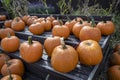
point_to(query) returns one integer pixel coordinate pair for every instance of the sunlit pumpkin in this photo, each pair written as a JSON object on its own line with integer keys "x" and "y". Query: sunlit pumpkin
{"x": 10, "y": 43}
{"x": 25, "y": 18}
{"x": 18, "y": 24}
{"x": 106, "y": 27}
{"x": 2, "y": 17}
{"x": 90, "y": 52}
{"x": 5, "y": 31}
{"x": 14, "y": 77}
{"x": 15, "y": 66}
{"x": 50, "y": 43}
{"x": 7, "y": 23}
{"x": 36, "y": 28}
{"x": 31, "y": 51}
{"x": 64, "y": 58}
{"x": 47, "y": 25}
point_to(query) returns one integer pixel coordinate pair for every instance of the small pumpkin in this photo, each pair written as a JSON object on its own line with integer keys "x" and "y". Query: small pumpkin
{"x": 50, "y": 18}
{"x": 30, "y": 20}
{"x": 47, "y": 25}
{"x": 36, "y": 28}
{"x": 61, "y": 30}
{"x": 64, "y": 58}
{"x": 2, "y": 60}
{"x": 13, "y": 77}
{"x": 113, "y": 73}
{"x": 39, "y": 20}
{"x": 15, "y": 66}
{"x": 10, "y": 43}
{"x": 25, "y": 18}
{"x": 76, "y": 28}
{"x": 106, "y": 27}
{"x": 18, "y": 24}
{"x": 5, "y": 31}
{"x": 7, "y": 23}
{"x": 55, "y": 22}
{"x": 117, "y": 47}
{"x": 90, "y": 32}
{"x": 115, "y": 58}
{"x": 31, "y": 51}
{"x": 2, "y": 17}
{"x": 90, "y": 52}
{"x": 50, "y": 43}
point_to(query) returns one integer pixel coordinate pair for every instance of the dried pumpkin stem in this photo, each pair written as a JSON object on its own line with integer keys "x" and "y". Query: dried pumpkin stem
{"x": 8, "y": 35}
{"x": 30, "y": 40}
{"x": 63, "y": 43}
{"x": 8, "y": 64}
{"x": 80, "y": 22}
{"x": 61, "y": 23}
{"x": 17, "y": 19}
{"x": 93, "y": 21}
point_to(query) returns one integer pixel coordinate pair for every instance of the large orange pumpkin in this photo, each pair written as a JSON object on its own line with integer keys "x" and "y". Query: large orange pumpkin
{"x": 113, "y": 73}
{"x": 10, "y": 43}
{"x": 14, "y": 77}
{"x": 36, "y": 28}
{"x": 61, "y": 30}
{"x": 106, "y": 27}
{"x": 50, "y": 43}
{"x": 2, "y": 60}
{"x": 90, "y": 52}
{"x": 115, "y": 58}
{"x": 7, "y": 23}
{"x": 64, "y": 58}
{"x": 15, "y": 66}
{"x": 88, "y": 32}
{"x": 31, "y": 51}
{"x": 18, "y": 24}
{"x": 5, "y": 31}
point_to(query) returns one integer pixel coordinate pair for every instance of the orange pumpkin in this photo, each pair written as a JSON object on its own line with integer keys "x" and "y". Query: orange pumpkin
{"x": 18, "y": 24}
{"x": 31, "y": 51}
{"x": 30, "y": 20}
{"x": 47, "y": 25}
{"x": 106, "y": 27}
{"x": 64, "y": 58}
{"x": 113, "y": 73}
{"x": 50, "y": 43}
{"x": 50, "y": 18}
{"x": 61, "y": 30}
{"x": 115, "y": 58}
{"x": 7, "y": 23}
{"x": 2, "y": 60}
{"x": 88, "y": 32}
{"x": 15, "y": 66}
{"x": 90, "y": 52}
{"x": 4, "y": 32}
{"x": 10, "y": 43}
{"x": 25, "y": 18}
{"x": 39, "y": 20}
{"x": 55, "y": 22}
{"x": 14, "y": 77}
{"x": 36, "y": 28}
{"x": 2, "y": 17}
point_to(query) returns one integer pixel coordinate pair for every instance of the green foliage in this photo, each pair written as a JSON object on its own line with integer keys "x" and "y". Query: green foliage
{"x": 16, "y": 7}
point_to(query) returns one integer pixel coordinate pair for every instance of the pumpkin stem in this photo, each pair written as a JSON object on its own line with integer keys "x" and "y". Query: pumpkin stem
{"x": 80, "y": 22}
{"x": 61, "y": 23}
{"x": 93, "y": 22}
{"x": 30, "y": 40}
{"x": 8, "y": 35}
{"x": 8, "y": 64}
{"x": 63, "y": 43}
{"x": 17, "y": 19}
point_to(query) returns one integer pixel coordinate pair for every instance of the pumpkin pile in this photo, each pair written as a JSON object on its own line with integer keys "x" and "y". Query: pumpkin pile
{"x": 114, "y": 71}
{"x": 12, "y": 69}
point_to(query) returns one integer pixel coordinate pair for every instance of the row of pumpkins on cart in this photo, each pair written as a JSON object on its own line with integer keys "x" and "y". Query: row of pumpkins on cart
{"x": 64, "y": 58}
